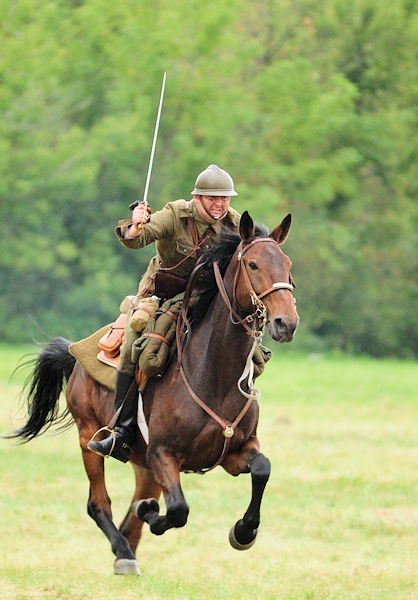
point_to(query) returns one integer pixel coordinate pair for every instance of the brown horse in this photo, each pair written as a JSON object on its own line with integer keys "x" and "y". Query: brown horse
{"x": 197, "y": 419}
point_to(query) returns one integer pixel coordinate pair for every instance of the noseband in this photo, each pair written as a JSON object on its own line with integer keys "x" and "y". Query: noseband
{"x": 259, "y": 316}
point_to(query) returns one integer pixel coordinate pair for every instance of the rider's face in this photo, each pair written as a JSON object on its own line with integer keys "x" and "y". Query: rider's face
{"x": 216, "y": 205}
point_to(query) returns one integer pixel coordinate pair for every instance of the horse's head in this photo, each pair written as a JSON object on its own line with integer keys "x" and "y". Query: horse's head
{"x": 263, "y": 278}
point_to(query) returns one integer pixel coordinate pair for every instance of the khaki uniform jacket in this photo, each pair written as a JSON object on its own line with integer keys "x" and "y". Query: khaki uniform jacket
{"x": 168, "y": 229}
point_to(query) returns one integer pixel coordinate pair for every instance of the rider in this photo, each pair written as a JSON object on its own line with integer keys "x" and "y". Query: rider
{"x": 170, "y": 229}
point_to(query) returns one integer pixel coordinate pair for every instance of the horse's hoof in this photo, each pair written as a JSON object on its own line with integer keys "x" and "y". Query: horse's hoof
{"x": 236, "y": 544}
{"x": 123, "y": 566}
{"x": 141, "y": 507}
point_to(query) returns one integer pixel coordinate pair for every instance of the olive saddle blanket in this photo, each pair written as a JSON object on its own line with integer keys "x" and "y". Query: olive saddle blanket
{"x": 85, "y": 351}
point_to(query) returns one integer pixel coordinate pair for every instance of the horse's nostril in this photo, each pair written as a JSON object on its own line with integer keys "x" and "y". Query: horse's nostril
{"x": 280, "y": 324}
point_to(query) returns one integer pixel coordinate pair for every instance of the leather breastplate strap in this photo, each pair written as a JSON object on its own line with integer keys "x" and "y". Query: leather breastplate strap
{"x": 228, "y": 428}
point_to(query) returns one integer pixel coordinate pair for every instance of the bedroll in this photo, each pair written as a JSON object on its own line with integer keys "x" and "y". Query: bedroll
{"x": 151, "y": 352}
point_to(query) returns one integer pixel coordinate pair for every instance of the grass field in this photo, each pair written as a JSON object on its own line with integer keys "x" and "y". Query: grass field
{"x": 339, "y": 517}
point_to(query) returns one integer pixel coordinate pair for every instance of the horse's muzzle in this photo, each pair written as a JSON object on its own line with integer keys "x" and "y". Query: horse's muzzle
{"x": 282, "y": 330}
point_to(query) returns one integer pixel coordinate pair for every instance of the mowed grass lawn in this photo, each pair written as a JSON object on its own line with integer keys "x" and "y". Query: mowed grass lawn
{"x": 339, "y": 517}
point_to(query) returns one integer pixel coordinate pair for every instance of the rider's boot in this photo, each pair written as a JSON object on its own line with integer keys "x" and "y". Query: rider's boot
{"x": 119, "y": 443}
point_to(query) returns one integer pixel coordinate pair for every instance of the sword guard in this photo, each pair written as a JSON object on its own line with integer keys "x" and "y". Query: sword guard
{"x": 136, "y": 203}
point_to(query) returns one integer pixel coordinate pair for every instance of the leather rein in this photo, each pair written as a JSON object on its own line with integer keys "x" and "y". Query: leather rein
{"x": 258, "y": 320}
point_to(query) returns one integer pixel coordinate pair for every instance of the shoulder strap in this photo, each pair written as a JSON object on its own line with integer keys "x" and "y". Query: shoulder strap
{"x": 193, "y": 230}
{"x": 191, "y": 224}
{"x": 188, "y": 206}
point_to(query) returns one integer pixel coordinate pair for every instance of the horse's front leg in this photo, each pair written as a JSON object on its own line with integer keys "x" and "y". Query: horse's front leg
{"x": 131, "y": 526}
{"x": 166, "y": 471}
{"x": 243, "y": 535}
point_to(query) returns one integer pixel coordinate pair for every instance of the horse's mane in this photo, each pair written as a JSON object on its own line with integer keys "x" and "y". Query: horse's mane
{"x": 222, "y": 251}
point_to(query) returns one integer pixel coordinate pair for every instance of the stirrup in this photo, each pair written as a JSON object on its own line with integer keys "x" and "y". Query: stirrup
{"x": 111, "y": 431}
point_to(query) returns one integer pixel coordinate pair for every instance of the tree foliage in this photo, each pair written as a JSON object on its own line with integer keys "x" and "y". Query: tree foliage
{"x": 309, "y": 105}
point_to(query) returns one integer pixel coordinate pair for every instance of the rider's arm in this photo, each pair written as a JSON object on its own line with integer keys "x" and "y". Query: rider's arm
{"x": 160, "y": 225}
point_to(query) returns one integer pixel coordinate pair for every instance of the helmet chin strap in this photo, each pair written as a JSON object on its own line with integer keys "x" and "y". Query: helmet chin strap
{"x": 204, "y": 213}
{"x": 221, "y": 217}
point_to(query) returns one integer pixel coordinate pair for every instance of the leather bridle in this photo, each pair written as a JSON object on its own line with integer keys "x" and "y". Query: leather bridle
{"x": 259, "y": 315}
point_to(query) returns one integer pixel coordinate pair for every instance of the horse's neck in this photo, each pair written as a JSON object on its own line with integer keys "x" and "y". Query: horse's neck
{"x": 227, "y": 338}
{"x": 222, "y": 346}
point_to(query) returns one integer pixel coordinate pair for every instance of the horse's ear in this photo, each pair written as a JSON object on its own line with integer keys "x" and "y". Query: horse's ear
{"x": 246, "y": 228}
{"x": 280, "y": 233}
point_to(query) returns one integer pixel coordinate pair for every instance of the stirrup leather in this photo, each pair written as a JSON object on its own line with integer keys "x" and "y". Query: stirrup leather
{"x": 112, "y": 432}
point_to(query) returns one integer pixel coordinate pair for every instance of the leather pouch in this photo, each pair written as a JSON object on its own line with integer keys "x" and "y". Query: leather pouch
{"x": 112, "y": 340}
{"x": 168, "y": 285}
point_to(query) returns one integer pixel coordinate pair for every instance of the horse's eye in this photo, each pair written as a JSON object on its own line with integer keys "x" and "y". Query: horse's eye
{"x": 252, "y": 265}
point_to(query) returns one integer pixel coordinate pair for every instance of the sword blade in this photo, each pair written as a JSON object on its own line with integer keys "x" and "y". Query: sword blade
{"x": 151, "y": 160}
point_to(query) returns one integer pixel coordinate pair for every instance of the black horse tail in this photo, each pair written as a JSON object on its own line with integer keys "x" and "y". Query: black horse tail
{"x": 45, "y": 385}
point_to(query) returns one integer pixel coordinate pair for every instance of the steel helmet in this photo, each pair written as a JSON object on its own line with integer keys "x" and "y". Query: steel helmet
{"x": 214, "y": 181}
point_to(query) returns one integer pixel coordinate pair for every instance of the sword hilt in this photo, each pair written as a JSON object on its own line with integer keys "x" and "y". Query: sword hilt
{"x": 136, "y": 203}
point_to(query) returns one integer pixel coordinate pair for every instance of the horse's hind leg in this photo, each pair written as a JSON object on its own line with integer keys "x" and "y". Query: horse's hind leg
{"x": 167, "y": 474}
{"x": 92, "y": 406}
{"x": 243, "y": 535}
{"x": 98, "y": 508}
{"x": 146, "y": 487}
